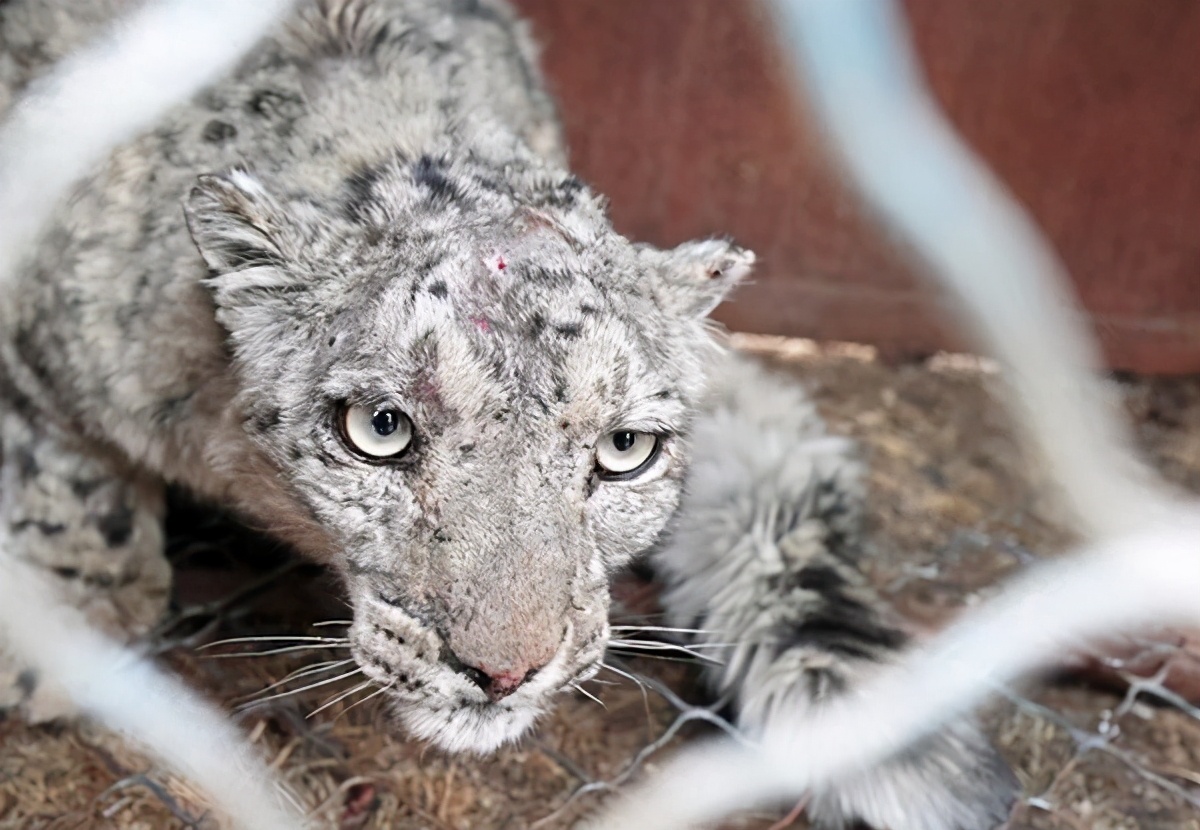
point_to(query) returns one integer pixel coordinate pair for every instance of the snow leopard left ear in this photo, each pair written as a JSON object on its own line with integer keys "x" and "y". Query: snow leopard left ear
{"x": 245, "y": 237}
{"x": 234, "y": 223}
{"x": 694, "y": 278}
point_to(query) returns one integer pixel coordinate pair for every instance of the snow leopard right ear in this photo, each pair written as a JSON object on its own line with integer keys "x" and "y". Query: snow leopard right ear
{"x": 234, "y": 223}
{"x": 694, "y": 277}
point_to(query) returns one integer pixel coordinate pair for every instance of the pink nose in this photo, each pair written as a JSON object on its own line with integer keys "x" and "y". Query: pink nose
{"x": 500, "y": 685}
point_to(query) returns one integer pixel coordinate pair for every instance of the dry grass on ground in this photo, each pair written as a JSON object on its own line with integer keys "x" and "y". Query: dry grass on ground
{"x": 951, "y": 512}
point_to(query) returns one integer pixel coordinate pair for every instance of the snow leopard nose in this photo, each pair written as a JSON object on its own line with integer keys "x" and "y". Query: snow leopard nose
{"x": 499, "y": 685}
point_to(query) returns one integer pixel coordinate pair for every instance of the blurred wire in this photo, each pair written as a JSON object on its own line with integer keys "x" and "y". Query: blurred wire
{"x": 853, "y": 58}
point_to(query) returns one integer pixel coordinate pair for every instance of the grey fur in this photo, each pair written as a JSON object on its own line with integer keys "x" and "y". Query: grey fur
{"x": 765, "y": 558}
{"x": 374, "y": 209}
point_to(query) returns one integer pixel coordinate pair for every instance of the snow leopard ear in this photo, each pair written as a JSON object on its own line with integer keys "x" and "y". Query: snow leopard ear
{"x": 234, "y": 223}
{"x": 695, "y": 277}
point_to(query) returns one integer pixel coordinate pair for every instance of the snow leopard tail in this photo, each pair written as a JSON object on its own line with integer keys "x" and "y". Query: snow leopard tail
{"x": 765, "y": 562}
{"x": 64, "y": 125}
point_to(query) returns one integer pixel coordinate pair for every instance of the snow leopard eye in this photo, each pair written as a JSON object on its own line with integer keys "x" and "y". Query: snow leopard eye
{"x": 625, "y": 454}
{"x": 376, "y": 431}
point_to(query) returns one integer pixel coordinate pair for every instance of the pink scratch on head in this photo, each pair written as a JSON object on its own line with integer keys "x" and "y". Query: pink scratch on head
{"x": 482, "y": 323}
{"x": 496, "y": 264}
{"x": 427, "y": 389}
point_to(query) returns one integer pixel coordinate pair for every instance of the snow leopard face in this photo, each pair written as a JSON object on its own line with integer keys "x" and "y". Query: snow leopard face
{"x": 482, "y": 395}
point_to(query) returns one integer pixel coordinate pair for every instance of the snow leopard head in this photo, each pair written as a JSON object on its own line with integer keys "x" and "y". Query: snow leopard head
{"x": 482, "y": 395}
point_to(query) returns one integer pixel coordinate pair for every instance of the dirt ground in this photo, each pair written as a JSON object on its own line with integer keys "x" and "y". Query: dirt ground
{"x": 951, "y": 513}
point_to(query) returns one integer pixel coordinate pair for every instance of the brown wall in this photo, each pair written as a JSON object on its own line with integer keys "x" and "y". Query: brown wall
{"x": 1090, "y": 109}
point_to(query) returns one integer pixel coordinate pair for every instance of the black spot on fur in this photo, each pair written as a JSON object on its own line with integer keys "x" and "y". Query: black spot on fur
{"x": 171, "y": 410}
{"x": 548, "y": 276}
{"x": 571, "y": 331}
{"x": 388, "y": 634}
{"x": 18, "y": 404}
{"x": 433, "y": 260}
{"x": 273, "y": 103}
{"x": 32, "y": 356}
{"x": 360, "y": 193}
{"x": 564, "y": 194}
{"x": 267, "y": 421}
{"x": 218, "y": 132}
{"x": 27, "y": 682}
{"x": 431, "y": 175}
{"x": 100, "y": 580}
{"x": 27, "y": 465}
{"x": 116, "y": 527}
{"x": 381, "y": 37}
{"x": 843, "y": 626}
{"x": 439, "y": 289}
{"x": 537, "y": 324}
{"x": 42, "y": 527}
{"x": 395, "y": 602}
{"x": 824, "y": 683}
{"x": 82, "y": 488}
{"x": 821, "y": 579}
{"x": 474, "y": 8}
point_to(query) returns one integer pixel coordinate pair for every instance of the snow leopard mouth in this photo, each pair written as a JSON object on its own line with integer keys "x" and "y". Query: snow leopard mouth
{"x": 467, "y": 727}
{"x": 437, "y": 699}
{"x": 461, "y": 723}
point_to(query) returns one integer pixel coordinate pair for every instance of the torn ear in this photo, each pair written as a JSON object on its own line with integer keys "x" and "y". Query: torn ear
{"x": 696, "y": 276}
{"x": 234, "y": 222}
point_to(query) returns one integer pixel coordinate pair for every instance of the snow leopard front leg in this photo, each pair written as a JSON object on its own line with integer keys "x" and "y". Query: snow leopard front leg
{"x": 94, "y": 527}
{"x": 764, "y": 559}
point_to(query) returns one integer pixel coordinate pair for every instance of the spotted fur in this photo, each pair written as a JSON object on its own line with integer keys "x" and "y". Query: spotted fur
{"x": 375, "y": 209}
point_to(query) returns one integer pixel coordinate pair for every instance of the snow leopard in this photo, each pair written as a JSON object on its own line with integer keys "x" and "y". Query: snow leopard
{"x": 353, "y": 293}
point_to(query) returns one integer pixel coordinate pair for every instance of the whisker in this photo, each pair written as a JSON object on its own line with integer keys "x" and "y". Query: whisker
{"x": 308, "y": 671}
{"x": 666, "y": 645}
{"x": 588, "y": 695}
{"x": 638, "y": 646}
{"x": 332, "y": 622}
{"x": 689, "y": 712}
{"x": 670, "y": 644}
{"x": 375, "y": 693}
{"x": 649, "y": 615}
{"x": 663, "y": 629}
{"x": 272, "y": 639}
{"x": 666, "y": 658}
{"x": 261, "y": 701}
{"x": 246, "y": 707}
{"x": 339, "y": 698}
{"x": 268, "y": 652}
{"x": 627, "y": 675}
{"x": 642, "y": 687}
